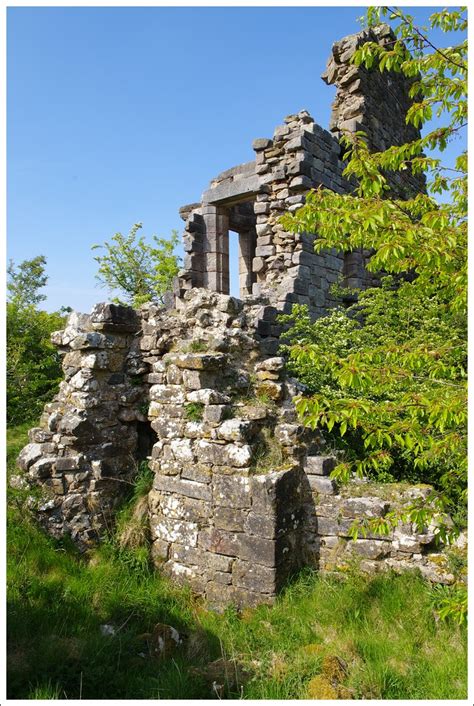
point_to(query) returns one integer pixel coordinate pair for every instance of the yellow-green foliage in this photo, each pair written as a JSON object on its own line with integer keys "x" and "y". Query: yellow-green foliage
{"x": 389, "y": 374}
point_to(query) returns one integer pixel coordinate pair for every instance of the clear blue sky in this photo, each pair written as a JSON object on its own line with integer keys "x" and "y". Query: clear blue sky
{"x": 118, "y": 115}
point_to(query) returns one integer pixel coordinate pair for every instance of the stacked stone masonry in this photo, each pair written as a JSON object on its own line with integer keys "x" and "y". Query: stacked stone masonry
{"x": 241, "y": 496}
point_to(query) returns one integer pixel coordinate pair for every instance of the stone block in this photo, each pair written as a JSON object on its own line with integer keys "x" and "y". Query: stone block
{"x": 259, "y": 550}
{"x": 231, "y": 491}
{"x": 264, "y": 251}
{"x": 214, "y": 414}
{"x": 319, "y": 465}
{"x": 167, "y": 428}
{"x": 159, "y": 550}
{"x": 364, "y": 507}
{"x": 288, "y": 434}
{"x": 369, "y": 548}
{"x": 228, "y": 518}
{"x": 198, "y": 472}
{"x": 322, "y": 485}
{"x": 29, "y": 455}
{"x": 198, "y": 379}
{"x": 114, "y": 317}
{"x": 188, "y": 555}
{"x": 261, "y": 143}
{"x": 220, "y": 541}
{"x": 174, "y": 394}
{"x": 269, "y": 388}
{"x": 261, "y": 525}
{"x": 336, "y": 526}
{"x": 189, "y": 488}
{"x": 207, "y": 396}
{"x": 182, "y": 450}
{"x": 234, "y": 430}
{"x": 219, "y": 562}
{"x": 174, "y": 375}
{"x": 234, "y": 455}
{"x": 173, "y": 531}
{"x": 200, "y": 361}
{"x": 260, "y": 579}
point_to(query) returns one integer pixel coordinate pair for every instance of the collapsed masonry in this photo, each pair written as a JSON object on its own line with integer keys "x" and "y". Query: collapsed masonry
{"x": 241, "y": 496}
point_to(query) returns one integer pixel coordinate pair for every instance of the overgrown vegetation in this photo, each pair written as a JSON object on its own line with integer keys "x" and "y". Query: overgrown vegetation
{"x": 387, "y": 634}
{"x": 33, "y": 364}
{"x": 388, "y": 374}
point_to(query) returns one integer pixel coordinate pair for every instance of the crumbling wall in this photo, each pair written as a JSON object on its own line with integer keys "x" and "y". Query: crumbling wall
{"x": 336, "y": 509}
{"x": 84, "y": 452}
{"x": 373, "y": 101}
{"x": 226, "y": 511}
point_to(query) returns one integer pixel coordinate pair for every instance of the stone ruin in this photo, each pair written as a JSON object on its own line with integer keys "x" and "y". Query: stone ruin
{"x": 242, "y": 496}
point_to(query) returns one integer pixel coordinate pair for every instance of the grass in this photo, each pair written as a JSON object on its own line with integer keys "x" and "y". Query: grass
{"x": 194, "y": 411}
{"x": 383, "y": 630}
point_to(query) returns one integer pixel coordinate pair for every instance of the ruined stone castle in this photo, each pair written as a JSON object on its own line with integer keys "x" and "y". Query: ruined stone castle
{"x": 242, "y": 497}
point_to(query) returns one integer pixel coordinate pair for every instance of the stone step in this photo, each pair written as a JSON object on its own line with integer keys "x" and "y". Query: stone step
{"x": 320, "y": 465}
{"x": 322, "y": 485}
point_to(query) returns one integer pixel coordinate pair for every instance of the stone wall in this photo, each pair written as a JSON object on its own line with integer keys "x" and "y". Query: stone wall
{"x": 87, "y": 446}
{"x": 337, "y": 509}
{"x": 373, "y": 101}
{"x": 250, "y": 198}
{"x": 241, "y": 495}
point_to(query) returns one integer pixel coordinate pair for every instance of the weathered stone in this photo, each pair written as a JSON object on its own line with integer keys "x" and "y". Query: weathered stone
{"x": 228, "y": 518}
{"x": 208, "y": 397}
{"x": 173, "y": 394}
{"x": 28, "y": 455}
{"x": 114, "y": 317}
{"x": 261, "y": 143}
{"x": 232, "y": 491}
{"x": 270, "y": 389}
{"x": 320, "y": 465}
{"x": 223, "y": 454}
{"x": 234, "y": 430}
{"x": 214, "y": 413}
{"x": 189, "y": 488}
{"x": 320, "y": 484}
{"x": 364, "y": 507}
{"x": 260, "y": 579}
{"x": 369, "y": 548}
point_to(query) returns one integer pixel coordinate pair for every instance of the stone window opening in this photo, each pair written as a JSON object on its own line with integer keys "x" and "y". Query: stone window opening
{"x": 220, "y": 220}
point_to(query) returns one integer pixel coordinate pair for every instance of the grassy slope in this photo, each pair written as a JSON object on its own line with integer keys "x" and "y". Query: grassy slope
{"x": 383, "y": 628}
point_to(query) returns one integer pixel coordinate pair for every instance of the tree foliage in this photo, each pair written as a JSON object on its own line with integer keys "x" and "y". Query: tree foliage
{"x": 26, "y": 280}
{"x": 141, "y": 272}
{"x": 33, "y": 364}
{"x": 390, "y": 371}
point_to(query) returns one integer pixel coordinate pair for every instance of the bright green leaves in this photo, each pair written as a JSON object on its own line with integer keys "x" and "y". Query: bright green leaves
{"x": 142, "y": 272}
{"x": 33, "y": 369}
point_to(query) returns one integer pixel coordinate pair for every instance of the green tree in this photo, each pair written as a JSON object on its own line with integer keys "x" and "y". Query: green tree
{"x": 389, "y": 373}
{"x": 141, "y": 272}
{"x": 26, "y": 280}
{"x": 33, "y": 364}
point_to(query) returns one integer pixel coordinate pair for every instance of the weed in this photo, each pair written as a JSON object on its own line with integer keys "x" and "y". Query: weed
{"x": 194, "y": 411}
{"x": 198, "y": 346}
{"x": 267, "y": 455}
